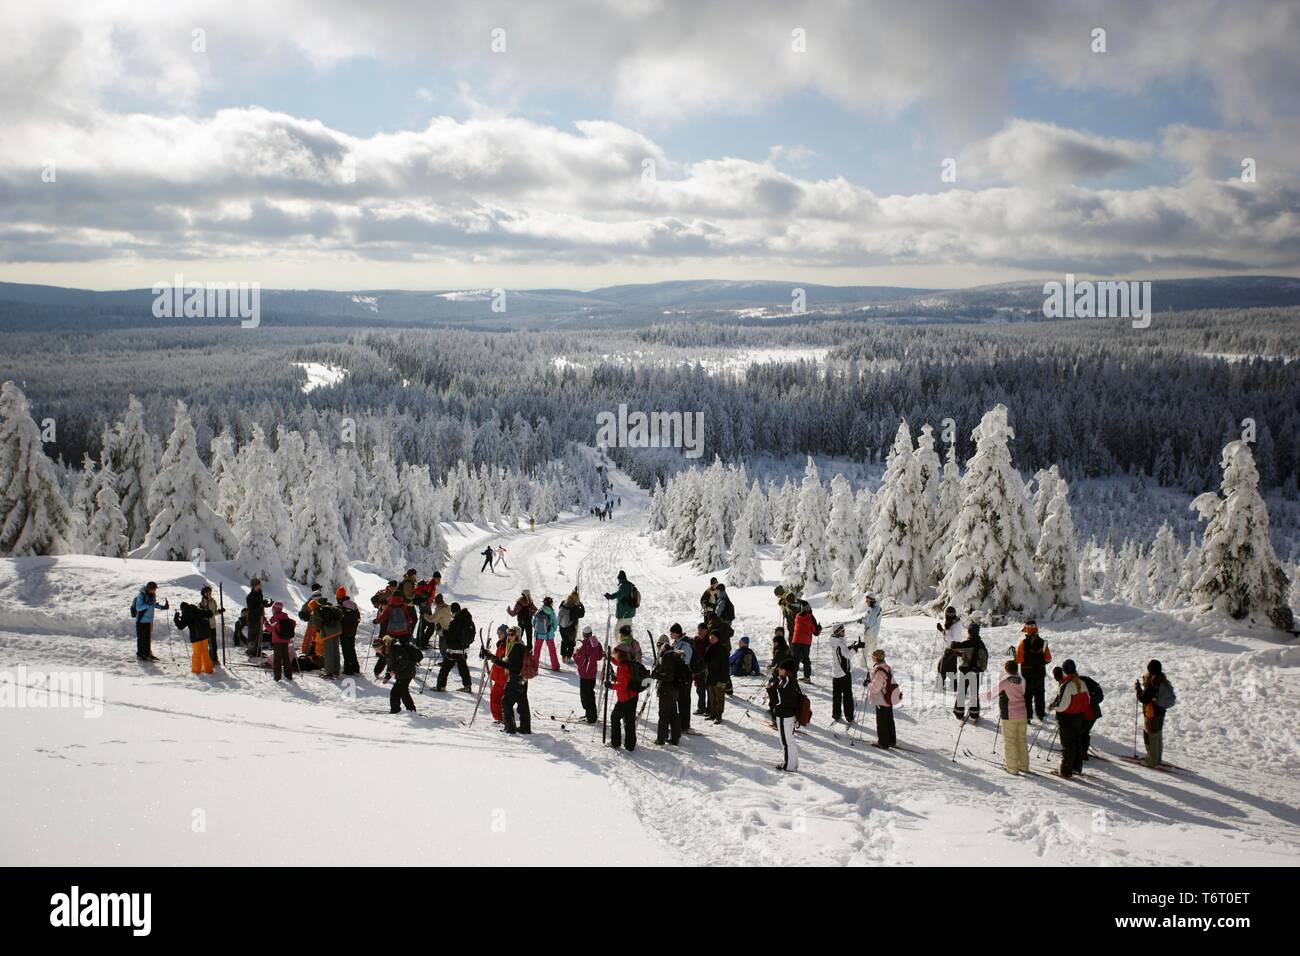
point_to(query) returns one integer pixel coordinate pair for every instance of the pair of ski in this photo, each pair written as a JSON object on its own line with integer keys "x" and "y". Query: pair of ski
{"x": 966, "y": 751}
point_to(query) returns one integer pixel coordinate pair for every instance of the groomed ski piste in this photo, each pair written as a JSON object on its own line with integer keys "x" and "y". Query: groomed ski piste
{"x": 232, "y": 768}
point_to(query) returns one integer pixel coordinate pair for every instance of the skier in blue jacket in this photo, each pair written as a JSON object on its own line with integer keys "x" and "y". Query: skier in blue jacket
{"x": 142, "y": 609}
{"x": 545, "y": 624}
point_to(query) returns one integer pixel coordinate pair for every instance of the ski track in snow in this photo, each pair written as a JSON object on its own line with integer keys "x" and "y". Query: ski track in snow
{"x": 717, "y": 798}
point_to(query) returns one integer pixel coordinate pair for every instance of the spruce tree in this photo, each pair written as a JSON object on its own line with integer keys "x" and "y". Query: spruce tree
{"x": 804, "y": 561}
{"x": 1056, "y": 561}
{"x": 746, "y": 570}
{"x": 106, "y": 530}
{"x": 135, "y": 462}
{"x": 895, "y": 564}
{"x": 843, "y": 540}
{"x": 34, "y": 515}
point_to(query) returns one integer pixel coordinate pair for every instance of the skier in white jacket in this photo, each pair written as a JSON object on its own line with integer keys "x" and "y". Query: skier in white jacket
{"x": 841, "y": 677}
{"x": 870, "y": 632}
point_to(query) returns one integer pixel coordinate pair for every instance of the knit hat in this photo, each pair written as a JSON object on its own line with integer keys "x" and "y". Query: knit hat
{"x": 663, "y": 640}
{"x": 1069, "y": 668}
{"x": 277, "y": 607}
{"x": 625, "y": 629}
{"x": 586, "y": 629}
{"x": 744, "y": 641}
{"x": 502, "y": 629}
{"x": 787, "y": 665}
{"x": 340, "y": 593}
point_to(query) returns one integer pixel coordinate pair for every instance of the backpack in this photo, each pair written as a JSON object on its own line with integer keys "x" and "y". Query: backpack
{"x": 681, "y": 674}
{"x": 134, "y": 611}
{"x": 330, "y": 614}
{"x": 729, "y": 612}
{"x": 981, "y": 657}
{"x": 303, "y": 613}
{"x": 640, "y": 678}
{"x": 529, "y": 670}
{"x": 1165, "y": 696}
{"x": 804, "y": 716}
{"x": 635, "y": 597}
{"x": 1095, "y": 693}
{"x": 893, "y": 693}
{"x": 181, "y": 619}
{"x": 284, "y": 629}
{"x": 817, "y": 628}
{"x": 399, "y": 624}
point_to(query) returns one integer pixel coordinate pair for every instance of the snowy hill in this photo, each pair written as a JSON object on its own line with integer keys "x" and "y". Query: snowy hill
{"x": 312, "y": 772}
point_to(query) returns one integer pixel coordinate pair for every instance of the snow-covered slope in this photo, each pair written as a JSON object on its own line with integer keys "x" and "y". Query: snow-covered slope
{"x": 234, "y": 768}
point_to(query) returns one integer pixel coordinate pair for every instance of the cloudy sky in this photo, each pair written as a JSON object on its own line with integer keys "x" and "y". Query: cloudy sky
{"x": 580, "y": 143}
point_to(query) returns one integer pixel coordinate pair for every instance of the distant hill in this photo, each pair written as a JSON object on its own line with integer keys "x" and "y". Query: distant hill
{"x": 41, "y": 306}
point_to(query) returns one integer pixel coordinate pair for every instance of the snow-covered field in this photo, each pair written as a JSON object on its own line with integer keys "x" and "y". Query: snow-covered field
{"x": 234, "y": 768}
{"x": 319, "y": 375}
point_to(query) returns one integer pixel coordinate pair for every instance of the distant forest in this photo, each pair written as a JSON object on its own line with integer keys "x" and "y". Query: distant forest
{"x": 1098, "y": 398}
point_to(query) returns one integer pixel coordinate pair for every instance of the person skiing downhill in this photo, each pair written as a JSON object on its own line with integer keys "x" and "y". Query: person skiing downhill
{"x": 883, "y": 693}
{"x": 785, "y": 708}
{"x": 588, "y": 658}
{"x": 1033, "y": 655}
{"x": 545, "y": 625}
{"x": 501, "y": 556}
{"x": 1013, "y": 707}
{"x": 487, "y": 560}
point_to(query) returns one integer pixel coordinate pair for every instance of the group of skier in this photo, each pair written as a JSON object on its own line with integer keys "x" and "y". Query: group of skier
{"x": 410, "y": 613}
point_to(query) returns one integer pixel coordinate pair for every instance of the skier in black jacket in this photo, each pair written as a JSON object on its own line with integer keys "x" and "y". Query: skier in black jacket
{"x": 669, "y": 672}
{"x": 460, "y": 637}
{"x": 973, "y": 660}
{"x": 785, "y": 696}
{"x": 255, "y": 604}
{"x": 516, "y": 692}
{"x": 404, "y": 659}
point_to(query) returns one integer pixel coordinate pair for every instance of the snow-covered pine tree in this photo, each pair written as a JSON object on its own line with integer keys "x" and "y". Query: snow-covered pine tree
{"x": 1165, "y": 568}
{"x": 931, "y": 469}
{"x": 224, "y": 466}
{"x": 1045, "y": 482}
{"x": 894, "y": 564}
{"x": 291, "y": 457}
{"x": 1240, "y": 574}
{"x": 1191, "y": 568}
{"x": 185, "y": 523}
{"x": 843, "y": 540}
{"x": 710, "y": 549}
{"x": 135, "y": 462}
{"x": 804, "y": 561}
{"x": 1056, "y": 561}
{"x": 1090, "y": 577}
{"x": 322, "y": 555}
{"x": 262, "y": 522}
{"x": 82, "y": 504}
{"x": 381, "y": 548}
{"x": 746, "y": 570}
{"x": 1112, "y": 575}
{"x": 679, "y": 536}
{"x": 34, "y": 515}
{"x": 991, "y": 563}
{"x": 106, "y": 530}
{"x": 945, "y": 516}
{"x": 658, "y": 507}
{"x": 1139, "y": 589}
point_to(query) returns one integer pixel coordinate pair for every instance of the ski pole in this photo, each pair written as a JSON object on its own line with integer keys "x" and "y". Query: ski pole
{"x": 995, "y": 734}
{"x": 1053, "y": 741}
{"x": 604, "y": 719}
{"x": 956, "y": 745}
{"x": 1137, "y": 707}
{"x": 221, "y": 606}
{"x": 482, "y": 682}
{"x": 370, "y": 642}
{"x": 1041, "y": 722}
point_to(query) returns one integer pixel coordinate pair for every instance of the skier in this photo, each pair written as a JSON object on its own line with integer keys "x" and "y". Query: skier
{"x": 208, "y": 605}
{"x": 1013, "y": 706}
{"x": 630, "y": 644}
{"x": 192, "y": 618}
{"x": 723, "y": 608}
{"x": 327, "y": 619}
{"x": 699, "y": 670}
{"x": 841, "y": 678}
{"x": 715, "y": 664}
{"x": 487, "y": 560}
{"x": 379, "y": 601}
{"x": 884, "y": 694}
{"x": 685, "y": 676}
{"x": 1156, "y": 695}
{"x": 622, "y": 724}
{"x": 588, "y": 658}
{"x": 709, "y": 599}
{"x": 499, "y": 675}
{"x": 256, "y": 605}
{"x": 626, "y": 599}
{"x": 785, "y": 710}
{"x": 1071, "y": 707}
{"x": 870, "y": 631}
{"x": 805, "y": 627}
{"x": 515, "y": 696}
{"x": 142, "y": 608}
{"x": 407, "y": 587}
{"x": 426, "y": 592}
{"x": 393, "y": 623}
{"x": 240, "y": 624}
{"x": 950, "y": 630}
{"x": 523, "y": 610}
{"x": 780, "y": 646}
{"x": 569, "y": 613}
{"x": 1033, "y": 655}
{"x": 404, "y": 659}
{"x": 544, "y": 627}
{"x": 788, "y": 601}
{"x": 725, "y": 634}
{"x": 1095, "y": 694}
{"x": 460, "y": 636}
{"x": 744, "y": 662}
{"x": 501, "y": 556}
{"x": 441, "y": 616}
{"x": 348, "y": 637}
{"x": 281, "y": 627}
{"x": 973, "y": 657}
{"x": 311, "y": 643}
{"x": 666, "y": 673}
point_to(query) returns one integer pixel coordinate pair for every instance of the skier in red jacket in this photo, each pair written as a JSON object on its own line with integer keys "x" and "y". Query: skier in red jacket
{"x": 622, "y": 730}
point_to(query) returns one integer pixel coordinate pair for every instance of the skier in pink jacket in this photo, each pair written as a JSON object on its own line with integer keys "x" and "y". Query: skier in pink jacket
{"x": 588, "y": 658}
